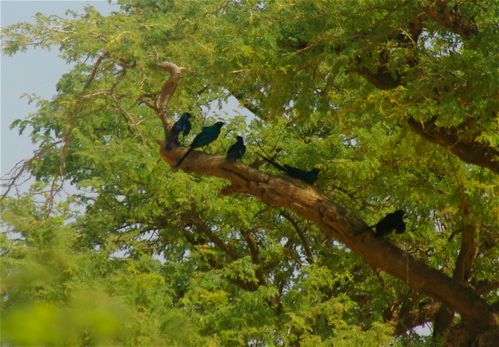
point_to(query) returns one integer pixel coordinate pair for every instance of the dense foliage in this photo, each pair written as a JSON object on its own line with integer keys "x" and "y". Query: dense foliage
{"x": 395, "y": 102}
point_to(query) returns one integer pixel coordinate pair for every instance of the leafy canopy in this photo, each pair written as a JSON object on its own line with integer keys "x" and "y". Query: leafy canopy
{"x": 141, "y": 255}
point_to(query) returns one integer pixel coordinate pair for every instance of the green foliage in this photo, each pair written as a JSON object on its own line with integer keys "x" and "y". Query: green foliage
{"x": 141, "y": 255}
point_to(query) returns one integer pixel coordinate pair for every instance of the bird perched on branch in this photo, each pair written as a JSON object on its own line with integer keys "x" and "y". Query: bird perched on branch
{"x": 392, "y": 221}
{"x": 183, "y": 125}
{"x": 306, "y": 176}
{"x": 387, "y": 224}
{"x": 236, "y": 151}
{"x": 204, "y": 138}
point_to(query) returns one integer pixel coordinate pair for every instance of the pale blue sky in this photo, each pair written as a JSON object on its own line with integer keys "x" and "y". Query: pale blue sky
{"x": 34, "y": 71}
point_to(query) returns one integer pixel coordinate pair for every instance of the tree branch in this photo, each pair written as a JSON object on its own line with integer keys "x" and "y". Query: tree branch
{"x": 95, "y": 69}
{"x": 462, "y": 269}
{"x": 205, "y": 229}
{"x": 486, "y": 287}
{"x": 410, "y": 316}
{"x": 336, "y": 222}
{"x": 166, "y": 93}
{"x": 249, "y": 286}
{"x": 450, "y": 17}
{"x": 255, "y": 255}
{"x": 301, "y": 235}
{"x": 468, "y": 151}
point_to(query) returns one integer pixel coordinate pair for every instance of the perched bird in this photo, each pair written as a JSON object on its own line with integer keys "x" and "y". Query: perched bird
{"x": 204, "y": 138}
{"x": 236, "y": 151}
{"x": 392, "y": 221}
{"x": 306, "y": 176}
{"x": 183, "y": 125}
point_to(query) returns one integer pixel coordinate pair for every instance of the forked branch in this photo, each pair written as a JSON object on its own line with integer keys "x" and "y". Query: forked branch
{"x": 166, "y": 93}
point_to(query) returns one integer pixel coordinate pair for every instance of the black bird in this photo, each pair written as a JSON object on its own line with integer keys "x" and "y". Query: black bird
{"x": 183, "y": 125}
{"x": 306, "y": 176}
{"x": 392, "y": 221}
{"x": 204, "y": 138}
{"x": 236, "y": 151}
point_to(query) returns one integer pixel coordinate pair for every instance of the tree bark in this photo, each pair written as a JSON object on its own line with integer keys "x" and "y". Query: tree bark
{"x": 336, "y": 222}
{"x": 469, "y": 151}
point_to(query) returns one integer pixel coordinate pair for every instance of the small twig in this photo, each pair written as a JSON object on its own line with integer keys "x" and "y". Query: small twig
{"x": 18, "y": 170}
{"x": 94, "y": 70}
{"x": 94, "y": 94}
{"x": 130, "y": 121}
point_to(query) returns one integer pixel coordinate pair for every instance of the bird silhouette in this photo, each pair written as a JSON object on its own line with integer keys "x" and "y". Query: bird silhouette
{"x": 204, "y": 138}
{"x": 236, "y": 151}
{"x": 183, "y": 125}
{"x": 306, "y": 176}
{"x": 392, "y": 221}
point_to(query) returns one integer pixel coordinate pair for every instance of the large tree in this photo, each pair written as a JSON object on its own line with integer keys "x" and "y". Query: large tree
{"x": 395, "y": 101}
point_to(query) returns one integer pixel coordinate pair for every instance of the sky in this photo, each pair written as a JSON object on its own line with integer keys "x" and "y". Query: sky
{"x": 35, "y": 71}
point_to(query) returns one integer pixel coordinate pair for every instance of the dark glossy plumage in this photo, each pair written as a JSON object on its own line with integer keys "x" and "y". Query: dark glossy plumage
{"x": 306, "y": 176}
{"x": 204, "y": 138}
{"x": 183, "y": 125}
{"x": 390, "y": 222}
{"x": 236, "y": 151}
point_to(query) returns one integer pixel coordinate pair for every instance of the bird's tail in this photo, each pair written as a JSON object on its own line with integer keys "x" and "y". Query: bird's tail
{"x": 273, "y": 163}
{"x": 185, "y": 156}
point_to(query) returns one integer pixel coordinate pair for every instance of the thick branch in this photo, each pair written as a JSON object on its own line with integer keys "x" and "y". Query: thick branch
{"x": 468, "y": 246}
{"x": 451, "y": 18}
{"x": 486, "y": 287}
{"x": 469, "y": 151}
{"x": 336, "y": 222}
{"x": 412, "y": 316}
{"x": 445, "y": 316}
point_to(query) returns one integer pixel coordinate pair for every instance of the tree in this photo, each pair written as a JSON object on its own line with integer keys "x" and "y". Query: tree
{"x": 393, "y": 100}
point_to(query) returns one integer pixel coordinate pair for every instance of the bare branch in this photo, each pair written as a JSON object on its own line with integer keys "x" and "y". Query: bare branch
{"x": 20, "y": 168}
{"x": 170, "y": 85}
{"x": 166, "y": 93}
